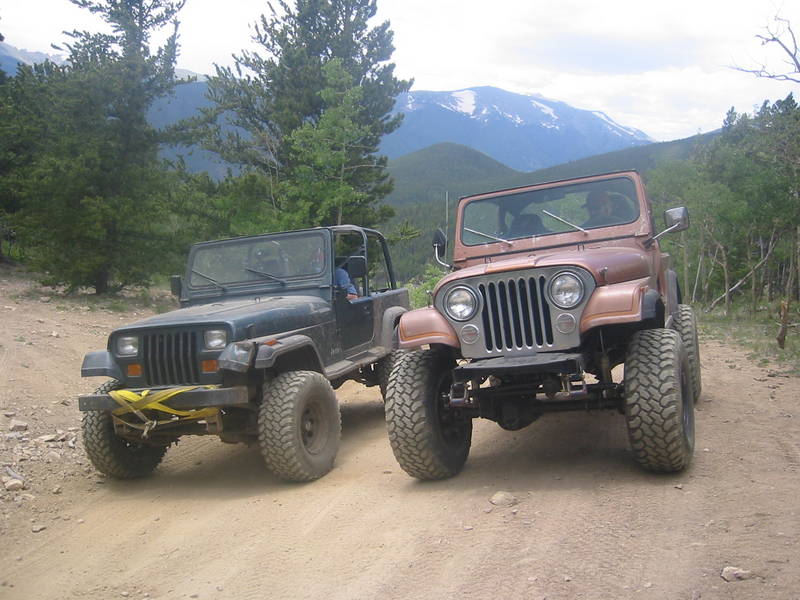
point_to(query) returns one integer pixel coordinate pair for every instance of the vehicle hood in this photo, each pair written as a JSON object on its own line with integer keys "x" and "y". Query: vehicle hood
{"x": 260, "y": 315}
{"x": 607, "y": 264}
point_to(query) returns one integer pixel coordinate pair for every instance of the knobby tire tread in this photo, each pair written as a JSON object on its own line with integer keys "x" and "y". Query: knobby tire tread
{"x": 412, "y": 433}
{"x": 384, "y": 368}
{"x": 653, "y": 401}
{"x": 686, "y": 326}
{"x": 278, "y": 435}
{"x": 112, "y": 455}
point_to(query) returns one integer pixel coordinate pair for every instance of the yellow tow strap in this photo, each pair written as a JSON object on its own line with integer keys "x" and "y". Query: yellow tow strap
{"x": 132, "y": 402}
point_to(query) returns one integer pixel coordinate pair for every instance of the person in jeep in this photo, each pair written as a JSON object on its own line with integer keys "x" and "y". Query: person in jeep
{"x": 534, "y": 323}
{"x": 600, "y": 208}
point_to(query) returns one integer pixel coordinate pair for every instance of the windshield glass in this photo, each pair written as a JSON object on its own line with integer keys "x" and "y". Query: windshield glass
{"x": 268, "y": 259}
{"x": 547, "y": 211}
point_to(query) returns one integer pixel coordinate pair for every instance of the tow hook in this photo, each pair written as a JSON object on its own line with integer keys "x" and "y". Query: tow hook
{"x": 458, "y": 395}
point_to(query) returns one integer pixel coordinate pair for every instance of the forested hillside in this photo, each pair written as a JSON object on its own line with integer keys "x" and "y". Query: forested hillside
{"x": 743, "y": 192}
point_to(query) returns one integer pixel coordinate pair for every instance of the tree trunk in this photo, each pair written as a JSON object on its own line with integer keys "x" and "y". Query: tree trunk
{"x": 727, "y": 276}
{"x": 707, "y": 282}
{"x": 797, "y": 261}
{"x": 753, "y": 299}
{"x": 787, "y": 301}
{"x": 685, "y": 265}
{"x": 102, "y": 279}
{"x": 697, "y": 277}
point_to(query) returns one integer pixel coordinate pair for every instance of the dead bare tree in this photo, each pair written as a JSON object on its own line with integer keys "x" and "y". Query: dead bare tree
{"x": 782, "y": 35}
{"x": 774, "y": 238}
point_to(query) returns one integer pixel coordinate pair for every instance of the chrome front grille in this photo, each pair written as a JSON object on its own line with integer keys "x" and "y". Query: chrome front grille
{"x": 516, "y": 314}
{"x": 170, "y": 358}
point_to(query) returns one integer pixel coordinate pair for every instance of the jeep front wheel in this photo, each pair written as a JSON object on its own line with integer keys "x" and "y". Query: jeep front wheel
{"x": 299, "y": 425}
{"x": 111, "y": 454}
{"x": 659, "y": 405}
{"x": 429, "y": 439}
{"x": 686, "y": 326}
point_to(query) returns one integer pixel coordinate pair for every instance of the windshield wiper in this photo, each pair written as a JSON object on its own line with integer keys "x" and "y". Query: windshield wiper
{"x": 211, "y": 279}
{"x": 557, "y": 218}
{"x": 268, "y": 275}
{"x": 486, "y": 235}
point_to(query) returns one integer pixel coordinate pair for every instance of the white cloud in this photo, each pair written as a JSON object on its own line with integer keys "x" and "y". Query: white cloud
{"x": 660, "y": 67}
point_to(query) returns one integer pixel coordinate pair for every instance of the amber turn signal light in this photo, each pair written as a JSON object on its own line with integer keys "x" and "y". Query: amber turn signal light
{"x": 135, "y": 370}
{"x": 210, "y": 366}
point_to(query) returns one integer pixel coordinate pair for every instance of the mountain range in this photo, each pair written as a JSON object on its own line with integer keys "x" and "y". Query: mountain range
{"x": 525, "y": 132}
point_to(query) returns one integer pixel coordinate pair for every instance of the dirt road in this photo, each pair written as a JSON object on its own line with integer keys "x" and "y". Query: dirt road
{"x": 212, "y": 523}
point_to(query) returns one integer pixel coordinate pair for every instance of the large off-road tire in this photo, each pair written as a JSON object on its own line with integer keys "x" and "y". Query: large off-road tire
{"x": 659, "y": 406}
{"x": 384, "y": 367}
{"x": 111, "y": 454}
{"x": 429, "y": 440}
{"x": 686, "y": 325}
{"x": 299, "y": 425}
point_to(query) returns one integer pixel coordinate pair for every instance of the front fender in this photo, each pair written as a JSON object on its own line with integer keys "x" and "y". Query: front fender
{"x": 389, "y": 324}
{"x": 100, "y": 363}
{"x": 628, "y": 302}
{"x": 270, "y": 351}
{"x": 425, "y": 326}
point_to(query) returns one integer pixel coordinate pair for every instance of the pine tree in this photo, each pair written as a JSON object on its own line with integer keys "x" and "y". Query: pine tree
{"x": 270, "y": 97}
{"x": 93, "y": 198}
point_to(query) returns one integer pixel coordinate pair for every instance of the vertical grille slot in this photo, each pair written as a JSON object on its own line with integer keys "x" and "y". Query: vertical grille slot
{"x": 170, "y": 358}
{"x": 516, "y": 314}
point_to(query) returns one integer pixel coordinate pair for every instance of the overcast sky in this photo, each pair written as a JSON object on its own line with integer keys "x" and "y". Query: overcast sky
{"x": 662, "y": 67}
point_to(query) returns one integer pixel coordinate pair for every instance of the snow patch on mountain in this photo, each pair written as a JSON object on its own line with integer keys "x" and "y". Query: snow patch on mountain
{"x": 545, "y": 109}
{"x": 516, "y": 119}
{"x": 616, "y": 128}
{"x": 465, "y": 101}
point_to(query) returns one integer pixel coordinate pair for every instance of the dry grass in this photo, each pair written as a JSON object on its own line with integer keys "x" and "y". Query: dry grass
{"x": 757, "y": 333}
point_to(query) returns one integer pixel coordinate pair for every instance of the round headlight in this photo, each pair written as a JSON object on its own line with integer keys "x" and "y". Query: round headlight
{"x": 566, "y": 290}
{"x": 215, "y": 339}
{"x": 127, "y": 345}
{"x": 461, "y": 303}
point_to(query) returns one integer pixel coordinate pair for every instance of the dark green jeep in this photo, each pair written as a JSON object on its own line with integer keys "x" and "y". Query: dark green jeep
{"x": 268, "y": 326}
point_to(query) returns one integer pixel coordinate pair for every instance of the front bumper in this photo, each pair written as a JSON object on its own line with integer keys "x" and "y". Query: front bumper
{"x": 192, "y": 399}
{"x": 558, "y": 363}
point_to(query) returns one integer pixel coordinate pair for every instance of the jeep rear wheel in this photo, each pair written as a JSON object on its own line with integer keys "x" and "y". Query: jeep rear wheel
{"x": 659, "y": 405}
{"x": 384, "y": 367}
{"x": 299, "y": 425}
{"x": 429, "y": 439}
{"x": 112, "y": 455}
{"x": 686, "y": 326}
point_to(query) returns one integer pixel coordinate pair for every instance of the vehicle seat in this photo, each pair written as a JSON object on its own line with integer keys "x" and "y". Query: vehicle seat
{"x": 526, "y": 224}
{"x": 270, "y": 265}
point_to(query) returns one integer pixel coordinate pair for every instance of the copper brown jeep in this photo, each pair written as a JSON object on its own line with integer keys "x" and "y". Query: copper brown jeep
{"x": 553, "y": 285}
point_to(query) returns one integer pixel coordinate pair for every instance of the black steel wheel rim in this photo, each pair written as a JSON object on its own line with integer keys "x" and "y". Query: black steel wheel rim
{"x": 452, "y": 427}
{"x": 312, "y": 428}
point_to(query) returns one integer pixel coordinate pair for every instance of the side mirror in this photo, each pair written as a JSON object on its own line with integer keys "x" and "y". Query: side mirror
{"x": 176, "y": 285}
{"x": 356, "y": 266}
{"x": 439, "y": 246}
{"x": 677, "y": 218}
